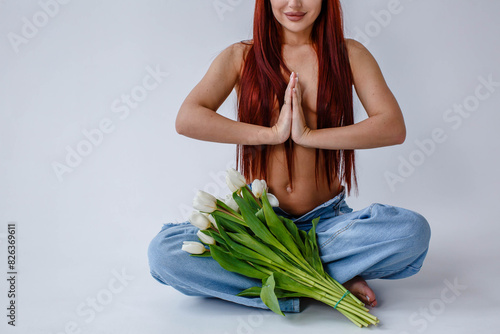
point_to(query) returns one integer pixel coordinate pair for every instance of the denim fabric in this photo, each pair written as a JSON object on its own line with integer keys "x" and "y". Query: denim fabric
{"x": 380, "y": 241}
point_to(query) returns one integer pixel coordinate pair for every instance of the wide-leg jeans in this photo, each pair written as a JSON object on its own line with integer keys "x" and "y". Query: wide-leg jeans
{"x": 380, "y": 241}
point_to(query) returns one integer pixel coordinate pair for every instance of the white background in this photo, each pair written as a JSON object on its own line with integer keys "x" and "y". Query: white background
{"x": 76, "y": 231}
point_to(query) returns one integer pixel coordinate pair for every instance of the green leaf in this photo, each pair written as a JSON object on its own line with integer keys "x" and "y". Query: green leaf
{"x": 286, "y": 294}
{"x": 257, "y": 246}
{"x": 255, "y": 292}
{"x": 260, "y": 214}
{"x": 315, "y": 259}
{"x": 312, "y": 231}
{"x": 205, "y": 254}
{"x": 214, "y": 235}
{"x": 294, "y": 231}
{"x": 247, "y": 253}
{"x": 278, "y": 229}
{"x": 228, "y": 221}
{"x": 303, "y": 236}
{"x": 287, "y": 283}
{"x": 268, "y": 296}
{"x": 225, "y": 206}
{"x": 257, "y": 227}
{"x": 240, "y": 251}
{"x": 250, "y": 199}
{"x": 230, "y": 263}
{"x": 308, "y": 255}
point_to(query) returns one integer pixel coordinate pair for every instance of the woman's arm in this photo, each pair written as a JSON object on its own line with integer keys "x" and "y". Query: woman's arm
{"x": 385, "y": 124}
{"x": 197, "y": 117}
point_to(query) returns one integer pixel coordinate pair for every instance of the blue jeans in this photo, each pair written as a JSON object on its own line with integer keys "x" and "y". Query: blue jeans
{"x": 380, "y": 241}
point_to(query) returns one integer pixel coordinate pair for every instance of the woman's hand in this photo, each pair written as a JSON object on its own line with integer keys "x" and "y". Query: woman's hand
{"x": 282, "y": 129}
{"x": 291, "y": 121}
{"x": 300, "y": 130}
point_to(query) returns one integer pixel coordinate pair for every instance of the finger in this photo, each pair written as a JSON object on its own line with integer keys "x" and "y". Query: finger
{"x": 298, "y": 88}
{"x": 288, "y": 91}
{"x": 295, "y": 101}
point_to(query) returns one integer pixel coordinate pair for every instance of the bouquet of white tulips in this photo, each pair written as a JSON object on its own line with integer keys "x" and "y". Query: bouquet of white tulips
{"x": 247, "y": 237}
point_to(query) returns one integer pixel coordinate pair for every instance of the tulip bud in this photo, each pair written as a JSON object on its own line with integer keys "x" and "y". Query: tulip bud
{"x": 205, "y": 202}
{"x": 199, "y": 220}
{"x": 258, "y": 187}
{"x": 211, "y": 219}
{"x": 235, "y": 180}
{"x": 230, "y": 202}
{"x": 205, "y": 238}
{"x": 193, "y": 247}
{"x": 273, "y": 200}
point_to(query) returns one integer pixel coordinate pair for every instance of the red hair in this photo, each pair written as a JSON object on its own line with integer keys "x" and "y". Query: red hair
{"x": 262, "y": 84}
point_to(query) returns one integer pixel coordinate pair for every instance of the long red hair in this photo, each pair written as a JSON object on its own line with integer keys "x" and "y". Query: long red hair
{"x": 262, "y": 84}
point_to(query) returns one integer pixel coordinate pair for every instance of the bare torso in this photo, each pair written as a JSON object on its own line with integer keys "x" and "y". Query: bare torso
{"x": 304, "y": 196}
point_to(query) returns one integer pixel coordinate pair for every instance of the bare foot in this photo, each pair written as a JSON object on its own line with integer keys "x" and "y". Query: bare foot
{"x": 360, "y": 289}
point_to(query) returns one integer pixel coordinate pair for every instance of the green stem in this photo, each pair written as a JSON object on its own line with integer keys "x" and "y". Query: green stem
{"x": 232, "y": 217}
{"x": 308, "y": 281}
{"x": 228, "y": 210}
{"x": 321, "y": 282}
{"x": 256, "y": 199}
{"x": 354, "y": 313}
{"x": 341, "y": 287}
{"x": 360, "y": 311}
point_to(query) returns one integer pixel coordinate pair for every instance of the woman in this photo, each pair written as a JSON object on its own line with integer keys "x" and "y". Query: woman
{"x": 295, "y": 130}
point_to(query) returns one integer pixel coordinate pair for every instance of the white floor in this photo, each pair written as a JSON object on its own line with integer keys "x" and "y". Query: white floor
{"x": 76, "y": 291}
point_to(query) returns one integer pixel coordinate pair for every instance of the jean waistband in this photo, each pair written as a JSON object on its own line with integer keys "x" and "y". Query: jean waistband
{"x": 327, "y": 207}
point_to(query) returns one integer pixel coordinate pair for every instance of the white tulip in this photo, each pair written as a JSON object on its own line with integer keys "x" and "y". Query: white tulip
{"x": 206, "y": 239}
{"x": 193, "y": 247}
{"x": 199, "y": 220}
{"x": 258, "y": 187}
{"x": 205, "y": 202}
{"x": 230, "y": 202}
{"x": 211, "y": 219}
{"x": 235, "y": 180}
{"x": 273, "y": 200}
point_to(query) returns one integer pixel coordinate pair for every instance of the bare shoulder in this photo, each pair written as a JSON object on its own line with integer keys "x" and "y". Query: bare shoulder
{"x": 238, "y": 52}
{"x": 360, "y": 58}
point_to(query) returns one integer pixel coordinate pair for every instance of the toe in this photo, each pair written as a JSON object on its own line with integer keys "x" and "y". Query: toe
{"x": 362, "y": 291}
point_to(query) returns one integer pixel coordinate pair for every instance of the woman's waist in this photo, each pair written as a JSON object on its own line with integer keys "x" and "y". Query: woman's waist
{"x": 305, "y": 205}
{"x": 304, "y": 197}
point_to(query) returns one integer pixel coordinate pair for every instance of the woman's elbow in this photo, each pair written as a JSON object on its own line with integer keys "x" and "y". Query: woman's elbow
{"x": 179, "y": 125}
{"x": 399, "y": 135}
{"x": 181, "y": 122}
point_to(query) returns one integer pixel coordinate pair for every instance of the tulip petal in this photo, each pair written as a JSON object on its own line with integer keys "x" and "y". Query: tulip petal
{"x": 193, "y": 247}
{"x": 204, "y": 202}
{"x": 199, "y": 220}
{"x": 273, "y": 200}
{"x": 235, "y": 180}
{"x": 206, "y": 239}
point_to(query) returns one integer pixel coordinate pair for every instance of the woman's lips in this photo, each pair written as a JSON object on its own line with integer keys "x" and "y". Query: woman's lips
{"x": 295, "y": 16}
